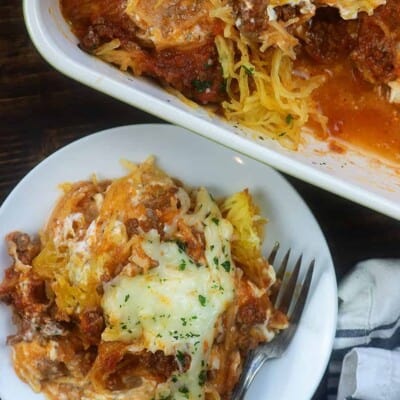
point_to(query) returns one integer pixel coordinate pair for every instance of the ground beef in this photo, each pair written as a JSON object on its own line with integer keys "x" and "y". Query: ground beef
{"x": 50, "y": 369}
{"x": 370, "y": 42}
{"x": 152, "y": 221}
{"x": 26, "y": 248}
{"x": 132, "y": 367}
{"x": 103, "y": 31}
{"x": 374, "y": 54}
{"x": 286, "y": 13}
{"x": 328, "y": 37}
{"x": 26, "y": 293}
{"x": 251, "y": 17}
{"x": 97, "y": 22}
{"x": 377, "y": 55}
{"x": 132, "y": 227}
{"x": 252, "y": 312}
{"x": 195, "y": 72}
{"x": 91, "y": 325}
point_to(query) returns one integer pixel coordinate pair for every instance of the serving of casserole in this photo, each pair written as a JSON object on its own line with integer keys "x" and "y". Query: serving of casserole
{"x": 140, "y": 288}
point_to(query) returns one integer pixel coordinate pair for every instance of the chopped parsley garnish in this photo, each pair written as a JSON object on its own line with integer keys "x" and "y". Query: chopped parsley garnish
{"x": 201, "y": 86}
{"x": 289, "y": 118}
{"x": 223, "y": 85}
{"x": 202, "y": 300}
{"x": 191, "y": 335}
{"x": 182, "y": 265}
{"x": 202, "y": 377}
{"x": 181, "y": 245}
{"x": 208, "y": 64}
{"x": 174, "y": 334}
{"x": 177, "y": 335}
{"x": 180, "y": 356}
{"x": 249, "y": 70}
{"x": 215, "y": 220}
{"x": 183, "y": 389}
{"x": 226, "y": 265}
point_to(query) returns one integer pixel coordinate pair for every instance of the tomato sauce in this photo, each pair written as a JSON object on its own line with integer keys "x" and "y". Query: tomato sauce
{"x": 358, "y": 114}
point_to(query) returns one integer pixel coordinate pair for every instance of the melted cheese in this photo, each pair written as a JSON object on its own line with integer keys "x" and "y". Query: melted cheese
{"x": 171, "y": 23}
{"x": 348, "y": 9}
{"x": 305, "y": 6}
{"x": 394, "y": 91}
{"x": 175, "y": 306}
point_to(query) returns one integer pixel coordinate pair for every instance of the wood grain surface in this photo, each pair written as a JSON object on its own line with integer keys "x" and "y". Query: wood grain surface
{"x": 41, "y": 111}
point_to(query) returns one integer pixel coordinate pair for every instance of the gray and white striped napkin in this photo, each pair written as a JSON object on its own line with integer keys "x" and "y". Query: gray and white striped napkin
{"x": 365, "y": 363}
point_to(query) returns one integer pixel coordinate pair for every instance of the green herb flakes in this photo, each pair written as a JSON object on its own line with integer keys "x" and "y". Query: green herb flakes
{"x": 182, "y": 265}
{"x": 249, "y": 70}
{"x": 226, "y": 265}
{"x": 201, "y": 86}
{"x": 202, "y": 300}
{"x": 202, "y": 377}
{"x": 289, "y": 119}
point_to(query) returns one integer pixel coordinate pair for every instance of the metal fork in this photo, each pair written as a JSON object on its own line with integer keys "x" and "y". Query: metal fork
{"x": 284, "y": 300}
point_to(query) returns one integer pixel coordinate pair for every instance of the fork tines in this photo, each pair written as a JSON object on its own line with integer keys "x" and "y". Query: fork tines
{"x": 285, "y": 296}
{"x": 284, "y": 299}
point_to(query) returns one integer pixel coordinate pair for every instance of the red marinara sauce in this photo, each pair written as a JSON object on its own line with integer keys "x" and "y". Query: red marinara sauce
{"x": 358, "y": 113}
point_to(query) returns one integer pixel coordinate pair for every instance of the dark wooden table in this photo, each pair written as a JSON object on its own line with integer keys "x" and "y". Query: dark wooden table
{"x": 41, "y": 110}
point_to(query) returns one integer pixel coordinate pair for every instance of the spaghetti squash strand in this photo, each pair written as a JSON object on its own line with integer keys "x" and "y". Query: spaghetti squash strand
{"x": 263, "y": 92}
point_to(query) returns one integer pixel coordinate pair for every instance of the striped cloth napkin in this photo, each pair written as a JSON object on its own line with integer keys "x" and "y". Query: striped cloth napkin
{"x": 365, "y": 363}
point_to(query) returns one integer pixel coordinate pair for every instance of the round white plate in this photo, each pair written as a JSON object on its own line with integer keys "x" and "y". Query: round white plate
{"x": 196, "y": 161}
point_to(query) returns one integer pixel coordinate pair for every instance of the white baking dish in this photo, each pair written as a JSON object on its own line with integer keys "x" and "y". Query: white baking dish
{"x": 357, "y": 177}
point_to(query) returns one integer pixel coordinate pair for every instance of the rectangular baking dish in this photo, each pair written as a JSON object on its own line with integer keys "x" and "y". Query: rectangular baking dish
{"x": 355, "y": 176}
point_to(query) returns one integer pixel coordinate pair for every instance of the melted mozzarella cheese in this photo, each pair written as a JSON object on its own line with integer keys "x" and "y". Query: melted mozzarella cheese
{"x": 174, "y": 307}
{"x": 171, "y": 23}
{"x": 348, "y": 9}
{"x": 394, "y": 91}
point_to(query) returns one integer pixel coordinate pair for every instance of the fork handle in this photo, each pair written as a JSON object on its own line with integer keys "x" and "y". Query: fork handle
{"x": 254, "y": 361}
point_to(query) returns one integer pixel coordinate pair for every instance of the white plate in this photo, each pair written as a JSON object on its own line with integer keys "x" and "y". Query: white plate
{"x": 357, "y": 177}
{"x": 196, "y": 161}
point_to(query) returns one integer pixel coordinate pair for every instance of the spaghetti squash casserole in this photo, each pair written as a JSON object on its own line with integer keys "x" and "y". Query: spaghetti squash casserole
{"x": 140, "y": 288}
{"x": 271, "y": 67}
